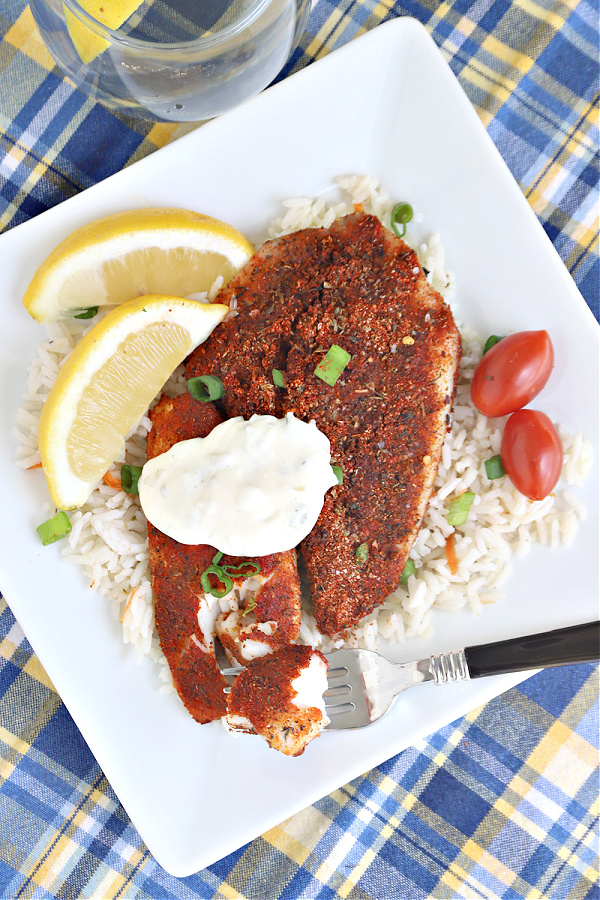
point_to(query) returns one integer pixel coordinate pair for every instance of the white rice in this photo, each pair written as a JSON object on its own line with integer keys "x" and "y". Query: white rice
{"x": 109, "y": 536}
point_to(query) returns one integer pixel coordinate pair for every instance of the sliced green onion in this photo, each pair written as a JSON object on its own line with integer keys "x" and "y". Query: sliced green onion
{"x": 332, "y": 365}
{"x": 205, "y": 388}
{"x": 251, "y": 605}
{"x": 223, "y": 578}
{"x": 55, "y": 528}
{"x": 459, "y": 508}
{"x": 493, "y": 339}
{"x": 217, "y": 558}
{"x": 236, "y": 571}
{"x": 130, "y": 475}
{"x": 408, "y": 570}
{"x": 362, "y": 553}
{"x": 494, "y": 467}
{"x": 401, "y": 214}
{"x": 339, "y": 474}
{"x": 278, "y": 379}
{"x": 88, "y": 313}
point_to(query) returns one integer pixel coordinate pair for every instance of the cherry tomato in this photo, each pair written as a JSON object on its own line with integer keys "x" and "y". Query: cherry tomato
{"x": 531, "y": 453}
{"x": 512, "y": 372}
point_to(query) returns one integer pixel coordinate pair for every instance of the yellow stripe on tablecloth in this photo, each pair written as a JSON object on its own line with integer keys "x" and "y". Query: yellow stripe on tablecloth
{"x": 14, "y": 157}
{"x": 480, "y": 856}
{"x": 455, "y": 879}
{"x": 523, "y": 821}
{"x": 409, "y": 801}
{"x": 591, "y": 873}
{"x": 25, "y": 36}
{"x": 388, "y": 785}
{"x": 319, "y": 45}
{"x": 298, "y": 835}
{"x": 7, "y": 648}
{"x": 489, "y": 83}
{"x": 111, "y": 885}
{"x": 34, "y": 668}
{"x": 161, "y": 133}
{"x": 578, "y": 144}
{"x": 544, "y": 13}
{"x": 229, "y": 892}
{"x": 357, "y": 872}
{"x": 564, "y": 758}
{"x": 343, "y": 794}
{"x": 466, "y": 26}
{"x": 17, "y": 749}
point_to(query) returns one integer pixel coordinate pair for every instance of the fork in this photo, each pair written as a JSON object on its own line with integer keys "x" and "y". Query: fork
{"x": 363, "y": 684}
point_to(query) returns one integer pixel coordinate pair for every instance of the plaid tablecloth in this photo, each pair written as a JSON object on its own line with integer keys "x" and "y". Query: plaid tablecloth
{"x": 502, "y": 803}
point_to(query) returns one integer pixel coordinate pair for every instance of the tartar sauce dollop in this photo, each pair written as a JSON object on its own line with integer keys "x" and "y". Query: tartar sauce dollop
{"x": 250, "y": 488}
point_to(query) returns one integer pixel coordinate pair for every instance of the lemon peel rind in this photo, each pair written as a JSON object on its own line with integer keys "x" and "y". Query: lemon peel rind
{"x": 60, "y": 409}
{"x": 116, "y": 235}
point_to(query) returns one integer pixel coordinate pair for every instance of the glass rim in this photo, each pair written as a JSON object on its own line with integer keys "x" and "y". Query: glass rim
{"x": 205, "y": 42}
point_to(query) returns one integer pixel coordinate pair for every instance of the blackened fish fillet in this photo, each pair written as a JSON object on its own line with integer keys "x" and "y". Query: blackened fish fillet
{"x": 357, "y": 286}
{"x": 176, "y": 570}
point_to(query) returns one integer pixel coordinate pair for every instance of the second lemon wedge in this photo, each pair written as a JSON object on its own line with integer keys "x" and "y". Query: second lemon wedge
{"x": 133, "y": 253}
{"x": 107, "y": 383}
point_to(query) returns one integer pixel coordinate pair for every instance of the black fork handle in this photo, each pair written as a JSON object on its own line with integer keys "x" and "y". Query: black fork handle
{"x": 579, "y": 643}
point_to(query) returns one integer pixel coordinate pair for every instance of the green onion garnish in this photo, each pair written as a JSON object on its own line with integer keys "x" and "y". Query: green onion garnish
{"x": 401, "y": 214}
{"x": 362, "y": 553}
{"x": 88, "y": 313}
{"x": 278, "y": 379}
{"x": 493, "y": 339}
{"x": 55, "y": 528}
{"x": 236, "y": 571}
{"x": 339, "y": 474}
{"x": 130, "y": 475}
{"x": 459, "y": 508}
{"x": 205, "y": 388}
{"x": 225, "y": 575}
{"x": 224, "y": 579}
{"x": 408, "y": 570}
{"x": 251, "y": 604}
{"x": 494, "y": 467}
{"x": 332, "y": 365}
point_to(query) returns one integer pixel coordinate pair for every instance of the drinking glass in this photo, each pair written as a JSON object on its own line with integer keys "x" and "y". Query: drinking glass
{"x": 171, "y": 60}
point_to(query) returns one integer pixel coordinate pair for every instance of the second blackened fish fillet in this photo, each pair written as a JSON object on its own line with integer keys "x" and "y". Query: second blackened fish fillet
{"x": 357, "y": 286}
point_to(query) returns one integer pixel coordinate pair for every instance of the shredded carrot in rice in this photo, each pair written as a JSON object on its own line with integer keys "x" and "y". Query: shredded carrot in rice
{"x": 358, "y": 207}
{"x": 112, "y": 482}
{"x": 128, "y": 604}
{"x": 35, "y": 466}
{"x": 451, "y": 556}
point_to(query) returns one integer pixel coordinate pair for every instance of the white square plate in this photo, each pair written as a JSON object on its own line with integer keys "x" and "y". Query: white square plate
{"x": 385, "y": 104}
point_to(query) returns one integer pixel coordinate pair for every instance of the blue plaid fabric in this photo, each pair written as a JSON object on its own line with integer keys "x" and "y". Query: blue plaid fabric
{"x": 502, "y": 803}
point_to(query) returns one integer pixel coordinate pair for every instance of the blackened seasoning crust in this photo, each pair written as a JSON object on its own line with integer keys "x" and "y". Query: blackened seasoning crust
{"x": 264, "y": 695}
{"x": 358, "y": 286}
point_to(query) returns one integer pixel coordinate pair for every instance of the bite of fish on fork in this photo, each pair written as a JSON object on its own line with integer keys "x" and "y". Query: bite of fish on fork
{"x": 363, "y": 684}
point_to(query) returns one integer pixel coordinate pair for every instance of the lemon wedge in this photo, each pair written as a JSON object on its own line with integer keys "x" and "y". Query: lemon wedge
{"x": 112, "y": 13}
{"x": 107, "y": 383}
{"x": 130, "y": 254}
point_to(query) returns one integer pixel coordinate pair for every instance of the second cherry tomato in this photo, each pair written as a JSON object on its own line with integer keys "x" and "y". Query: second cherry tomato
{"x": 532, "y": 453}
{"x": 512, "y": 373}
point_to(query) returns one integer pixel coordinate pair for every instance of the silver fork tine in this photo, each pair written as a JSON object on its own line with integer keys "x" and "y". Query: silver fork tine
{"x": 228, "y": 671}
{"x": 343, "y": 688}
{"x": 363, "y": 684}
